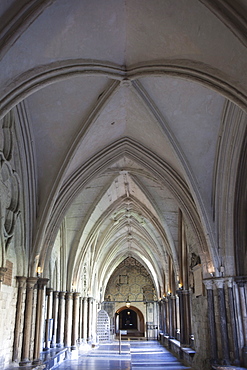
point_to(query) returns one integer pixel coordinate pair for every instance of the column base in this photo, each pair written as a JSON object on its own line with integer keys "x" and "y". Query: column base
{"x": 244, "y": 355}
{"x": 25, "y": 362}
{"x": 37, "y": 361}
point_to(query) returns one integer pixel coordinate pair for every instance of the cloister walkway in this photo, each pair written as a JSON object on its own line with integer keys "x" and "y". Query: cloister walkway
{"x": 135, "y": 354}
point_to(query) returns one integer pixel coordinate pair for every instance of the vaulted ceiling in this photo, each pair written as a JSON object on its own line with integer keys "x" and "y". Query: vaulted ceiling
{"x": 124, "y": 102}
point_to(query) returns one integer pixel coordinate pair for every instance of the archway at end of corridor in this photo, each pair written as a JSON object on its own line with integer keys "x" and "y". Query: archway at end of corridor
{"x": 130, "y": 319}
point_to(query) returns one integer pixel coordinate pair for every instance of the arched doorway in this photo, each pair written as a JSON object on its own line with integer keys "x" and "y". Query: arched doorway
{"x": 130, "y": 319}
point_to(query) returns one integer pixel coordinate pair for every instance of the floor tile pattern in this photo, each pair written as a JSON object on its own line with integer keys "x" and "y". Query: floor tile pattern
{"x": 134, "y": 355}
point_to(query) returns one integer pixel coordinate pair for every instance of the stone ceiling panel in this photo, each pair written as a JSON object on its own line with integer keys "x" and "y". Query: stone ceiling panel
{"x": 57, "y": 114}
{"x": 194, "y": 116}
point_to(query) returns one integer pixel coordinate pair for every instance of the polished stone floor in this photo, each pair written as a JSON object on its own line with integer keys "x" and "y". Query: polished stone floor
{"x": 134, "y": 355}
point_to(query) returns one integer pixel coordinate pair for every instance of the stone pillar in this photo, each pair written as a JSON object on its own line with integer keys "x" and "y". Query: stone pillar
{"x": 233, "y": 322}
{"x": 184, "y": 313}
{"x": 39, "y": 324}
{"x": 90, "y": 318}
{"x": 75, "y": 319}
{"x": 84, "y": 319}
{"x": 21, "y": 280}
{"x": 219, "y": 283}
{"x": 211, "y": 319}
{"x": 241, "y": 282}
{"x": 171, "y": 317}
{"x": 55, "y": 318}
{"x": 30, "y": 283}
{"x": 174, "y": 316}
{"x": 166, "y": 302}
{"x": 60, "y": 320}
{"x": 48, "y": 322}
{"x": 162, "y": 316}
{"x": 68, "y": 319}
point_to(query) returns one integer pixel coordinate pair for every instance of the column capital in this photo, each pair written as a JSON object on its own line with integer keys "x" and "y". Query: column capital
{"x": 76, "y": 295}
{"x": 240, "y": 280}
{"x": 61, "y": 294}
{"x": 230, "y": 282}
{"x": 21, "y": 280}
{"x": 219, "y": 282}
{"x": 31, "y": 281}
{"x": 208, "y": 283}
{"x": 55, "y": 293}
{"x": 68, "y": 295}
{"x": 42, "y": 282}
{"x": 49, "y": 291}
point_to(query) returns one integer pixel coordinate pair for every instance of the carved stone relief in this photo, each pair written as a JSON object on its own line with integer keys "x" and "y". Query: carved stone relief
{"x": 9, "y": 185}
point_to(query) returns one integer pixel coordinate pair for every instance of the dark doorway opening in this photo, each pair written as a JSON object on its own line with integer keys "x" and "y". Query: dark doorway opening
{"x": 127, "y": 319}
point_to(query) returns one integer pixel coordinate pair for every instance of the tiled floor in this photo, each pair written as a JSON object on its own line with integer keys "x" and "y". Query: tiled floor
{"x": 134, "y": 355}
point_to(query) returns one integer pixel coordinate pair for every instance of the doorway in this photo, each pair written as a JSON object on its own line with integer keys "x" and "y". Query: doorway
{"x": 128, "y": 319}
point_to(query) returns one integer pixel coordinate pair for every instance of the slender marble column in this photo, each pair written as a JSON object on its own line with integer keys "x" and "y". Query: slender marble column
{"x": 233, "y": 322}
{"x": 39, "y": 319}
{"x": 174, "y": 316}
{"x": 211, "y": 318}
{"x": 166, "y": 316}
{"x": 48, "y": 321}
{"x": 242, "y": 282}
{"x": 171, "y": 316}
{"x": 55, "y": 317}
{"x": 68, "y": 319}
{"x": 60, "y": 320}
{"x": 219, "y": 283}
{"x": 21, "y": 280}
{"x": 85, "y": 321}
{"x": 27, "y": 321}
{"x": 90, "y": 318}
{"x": 162, "y": 316}
{"x": 184, "y": 313}
{"x": 75, "y": 319}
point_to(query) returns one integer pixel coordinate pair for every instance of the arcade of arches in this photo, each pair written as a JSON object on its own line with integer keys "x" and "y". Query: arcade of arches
{"x": 123, "y": 187}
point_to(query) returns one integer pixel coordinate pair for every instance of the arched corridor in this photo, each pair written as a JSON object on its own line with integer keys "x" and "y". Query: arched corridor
{"x": 123, "y": 191}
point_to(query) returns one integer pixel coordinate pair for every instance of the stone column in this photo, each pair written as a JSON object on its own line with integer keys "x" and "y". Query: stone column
{"x": 211, "y": 319}
{"x": 162, "y": 316}
{"x": 39, "y": 324}
{"x": 21, "y": 280}
{"x": 90, "y": 318}
{"x": 48, "y": 322}
{"x": 241, "y": 282}
{"x": 174, "y": 316}
{"x": 184, "y": 313}
{"x": 84, "y": 319}
{"x": 75, "y": 319}
{"x": 166, "y": 302}
{"x": 60, "y": 320}
{"x": 55, "y": 318}
{"x": 170, "y": 313}
{"x": 30, "y": 283}
{"x": 68, "y": 319}
{"x": 233, "y": 322}
{"x": 219, "y": 283}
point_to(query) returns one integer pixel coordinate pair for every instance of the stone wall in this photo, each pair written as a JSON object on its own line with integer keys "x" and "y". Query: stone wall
{"x": 201, "y": 332}
{"x": 8, "y": 296}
